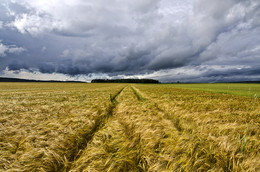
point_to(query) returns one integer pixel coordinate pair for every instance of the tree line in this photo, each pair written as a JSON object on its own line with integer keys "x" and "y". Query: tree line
{"x": 144, "y": 81}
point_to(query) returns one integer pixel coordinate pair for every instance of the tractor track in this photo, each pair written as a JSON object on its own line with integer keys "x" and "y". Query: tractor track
{"x": 199, "y": 141}
{"x": 138, "y": 94}
{"x": 174, "y": 119}
{"x": 85, "y": 136}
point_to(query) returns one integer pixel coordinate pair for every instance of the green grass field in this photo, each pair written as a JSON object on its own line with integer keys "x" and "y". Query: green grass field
{"x": 249, "y": 90}
{"x": 129, "y": 127}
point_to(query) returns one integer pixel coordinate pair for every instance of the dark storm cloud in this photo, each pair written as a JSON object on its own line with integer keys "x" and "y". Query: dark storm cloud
{"x": 47, "y": 68}
{"x": 232, "y": 72}
{"x": 138, "y": 38}
{"x": 17, "y": 66}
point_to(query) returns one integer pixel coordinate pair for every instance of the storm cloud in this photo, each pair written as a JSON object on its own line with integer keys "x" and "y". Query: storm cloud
{"x": 186, "y": 40}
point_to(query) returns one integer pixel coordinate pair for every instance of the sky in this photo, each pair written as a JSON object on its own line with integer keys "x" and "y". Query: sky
{"x": 167, "y": 40}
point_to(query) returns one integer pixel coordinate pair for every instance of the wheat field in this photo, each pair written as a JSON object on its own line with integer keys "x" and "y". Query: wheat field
{"x": 126, "y": 127}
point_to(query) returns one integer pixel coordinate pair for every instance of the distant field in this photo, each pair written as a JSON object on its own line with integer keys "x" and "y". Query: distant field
{"x": 128, "y": 127}
{"x": 249, "y": 90}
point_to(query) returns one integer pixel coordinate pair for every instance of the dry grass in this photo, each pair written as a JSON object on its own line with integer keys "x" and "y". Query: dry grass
{"x": 118, "y": 127}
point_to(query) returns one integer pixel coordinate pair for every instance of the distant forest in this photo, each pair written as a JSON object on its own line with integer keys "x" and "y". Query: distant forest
{"x": 151, "y": 81}
{"x": 30, "y": 80}
{"x": 147, "y": 81}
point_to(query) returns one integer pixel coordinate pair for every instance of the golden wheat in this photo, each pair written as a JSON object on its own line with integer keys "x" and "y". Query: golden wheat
{"x": 120, "y": 127}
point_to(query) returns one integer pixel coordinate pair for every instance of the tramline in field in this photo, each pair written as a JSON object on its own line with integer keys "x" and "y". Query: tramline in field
{"x": 126, "y": 127}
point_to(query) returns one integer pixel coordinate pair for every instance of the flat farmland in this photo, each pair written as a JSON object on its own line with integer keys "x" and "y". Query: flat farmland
{"x": 127, "y": 127}
{"x": 249, "y": 90}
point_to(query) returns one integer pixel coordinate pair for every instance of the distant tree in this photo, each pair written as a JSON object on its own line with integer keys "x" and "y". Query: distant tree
{"x": 145, "y": 81}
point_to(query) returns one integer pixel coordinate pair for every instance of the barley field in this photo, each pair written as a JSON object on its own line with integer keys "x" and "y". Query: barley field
{"x": 249, "y": 90}
{"x": 127, "y": 127}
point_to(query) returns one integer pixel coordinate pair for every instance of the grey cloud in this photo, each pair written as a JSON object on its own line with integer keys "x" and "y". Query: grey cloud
{"x": 207, "y": 73}
{"x": 18, "y": 66}
{"x": 47, "y": 68}
{"x": 80, "y": 18}
{"x": 229, "y": 75}
{"x": 9, "y": 49}
{"x": 131, "y": 37}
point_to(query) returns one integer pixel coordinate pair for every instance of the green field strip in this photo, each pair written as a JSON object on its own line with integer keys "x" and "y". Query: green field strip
{"x": 248, "y": 90}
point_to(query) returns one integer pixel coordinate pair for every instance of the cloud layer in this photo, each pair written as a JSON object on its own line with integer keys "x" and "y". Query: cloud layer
{"x": 9, "y": 49}
{"x": 159, "y": 39}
